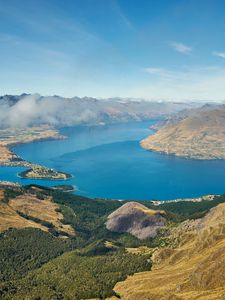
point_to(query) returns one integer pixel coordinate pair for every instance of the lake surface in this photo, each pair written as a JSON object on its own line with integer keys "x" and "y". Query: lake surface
{"x": 107, "y": 161}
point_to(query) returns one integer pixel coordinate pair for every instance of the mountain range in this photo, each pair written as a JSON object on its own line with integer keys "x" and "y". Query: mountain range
{"x": 28, "y": 110}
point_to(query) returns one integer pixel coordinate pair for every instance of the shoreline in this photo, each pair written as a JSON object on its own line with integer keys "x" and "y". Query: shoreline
{"x": 174, "y": 155}
{"x": 209, "y": 197}
{"x": 72, "y": 188}
{"x": 29, "y": 135}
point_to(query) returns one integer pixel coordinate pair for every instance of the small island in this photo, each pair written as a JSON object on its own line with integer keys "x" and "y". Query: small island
{"x": 40, "y": 172}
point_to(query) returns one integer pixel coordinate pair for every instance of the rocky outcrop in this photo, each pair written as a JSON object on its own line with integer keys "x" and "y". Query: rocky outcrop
{"x": 137, "y": 220}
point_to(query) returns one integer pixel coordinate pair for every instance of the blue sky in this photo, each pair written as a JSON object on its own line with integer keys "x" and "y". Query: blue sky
{"x": 154, "y": 49}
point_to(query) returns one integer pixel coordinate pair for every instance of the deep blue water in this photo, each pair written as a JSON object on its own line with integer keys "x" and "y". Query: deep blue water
{"x": 107, "y": 161}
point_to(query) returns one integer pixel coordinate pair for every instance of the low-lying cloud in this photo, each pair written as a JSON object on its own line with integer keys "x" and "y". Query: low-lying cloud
{"x": 29, "y": 110}
{"x": 35, "y": 110}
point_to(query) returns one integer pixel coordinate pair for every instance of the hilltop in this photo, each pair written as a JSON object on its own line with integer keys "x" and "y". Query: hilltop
{"x": 136, "y": 219}
{"x": 199, "y": 136}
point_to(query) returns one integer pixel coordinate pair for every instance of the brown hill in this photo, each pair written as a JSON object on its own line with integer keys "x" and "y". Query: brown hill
{"x": 193, "y": 269}
{"x": 185, "y": 113}
{"x": 136, "y": 219}
{"x": 200, "y": 136}
{"x": 28, "y": 210}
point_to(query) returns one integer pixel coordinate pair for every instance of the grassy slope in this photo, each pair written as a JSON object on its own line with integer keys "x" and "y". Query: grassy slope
{"x": 24, "y": 251}
{"x": 193, "y": 269}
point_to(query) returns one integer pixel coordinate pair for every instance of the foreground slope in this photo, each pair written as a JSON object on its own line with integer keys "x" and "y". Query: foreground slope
{"x": 54, "y": 245}
{"x": 200, "y": 136}
{"x": 192, "y": 269}
{"x": 20, "y": 209}
{"x": 40, "y": 260}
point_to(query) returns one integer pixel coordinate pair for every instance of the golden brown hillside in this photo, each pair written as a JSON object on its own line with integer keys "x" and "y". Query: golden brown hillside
{"x": 201, "y": 136}
{"x": 193, "y": 269}
{"x": 29, "y": 211}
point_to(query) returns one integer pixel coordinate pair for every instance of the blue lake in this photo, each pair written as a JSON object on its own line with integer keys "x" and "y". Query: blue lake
{"x": 107, "y": 161}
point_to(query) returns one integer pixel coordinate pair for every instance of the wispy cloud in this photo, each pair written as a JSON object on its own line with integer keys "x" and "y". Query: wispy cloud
{"x": 187, "y": 83}
{"x": 122, "y": 16}
{"x": 219, "y": 54}
{"x": 157, "y": 71}
{"x": 161, "y": 72}
{"x": 181, "y": 48}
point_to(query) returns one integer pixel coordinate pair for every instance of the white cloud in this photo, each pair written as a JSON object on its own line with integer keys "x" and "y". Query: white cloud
{"x": 160, "y": 72}
{"x": 123, "y": 18}
{"x": 157, "y": 71}
{"x": 219, "y": 54}
{"x": 181, "y": 48}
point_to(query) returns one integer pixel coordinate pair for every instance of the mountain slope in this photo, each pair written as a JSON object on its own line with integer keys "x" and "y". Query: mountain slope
{"x": 38, "y": 264}
{"x": 201, "y": 136}
{"x": 176, "y": 117}
{"x": 26, "y": 210}
{"x": 193, "y": 269}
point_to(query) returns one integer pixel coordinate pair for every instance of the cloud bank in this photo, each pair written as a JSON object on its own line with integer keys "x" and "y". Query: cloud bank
{"x": 27, "y": 110}
{"x": 35, "y": 110}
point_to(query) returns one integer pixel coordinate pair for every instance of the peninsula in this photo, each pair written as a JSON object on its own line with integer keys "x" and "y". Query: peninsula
{"x": 12, "y": 136}
{"x": 199, "y": 136}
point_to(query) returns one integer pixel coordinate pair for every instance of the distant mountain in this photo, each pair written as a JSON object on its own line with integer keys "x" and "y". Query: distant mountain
{"x": 176, "y": 117}
{"x": 10, "y": 99}
{"x": 199, "y": 136}
{"x": 26, "y": 110}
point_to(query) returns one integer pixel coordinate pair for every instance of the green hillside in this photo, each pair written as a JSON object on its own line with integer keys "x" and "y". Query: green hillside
{"x": 37, "y": 264}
